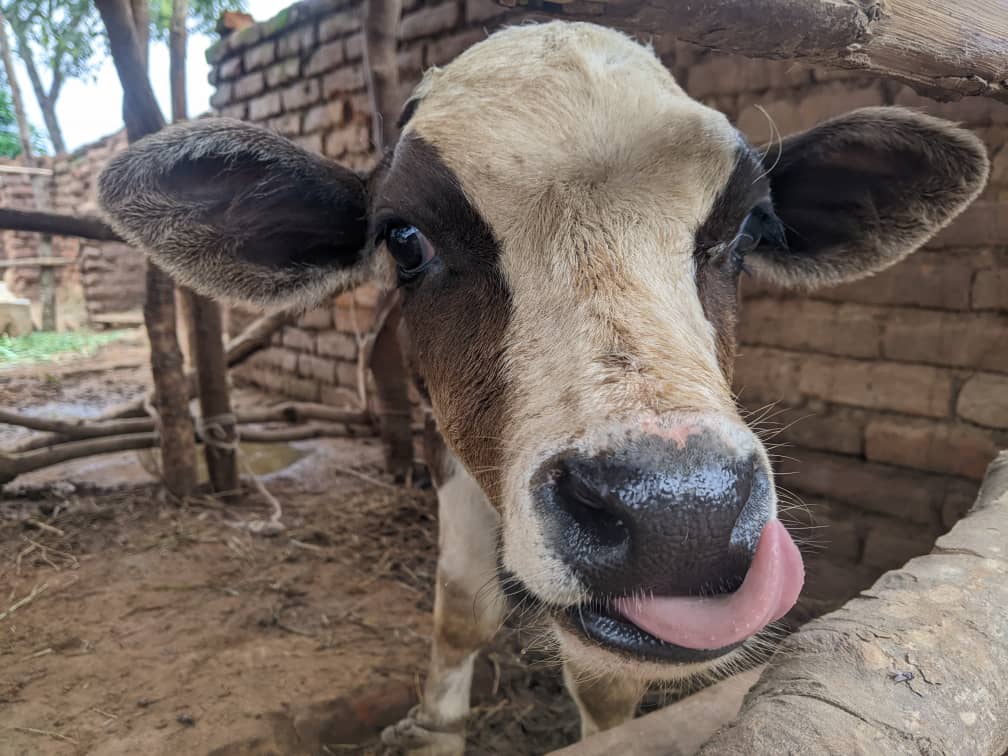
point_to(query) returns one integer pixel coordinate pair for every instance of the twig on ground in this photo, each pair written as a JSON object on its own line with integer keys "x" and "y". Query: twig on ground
{"x": 48, "y": 733}
{"x": 37, "y": 591}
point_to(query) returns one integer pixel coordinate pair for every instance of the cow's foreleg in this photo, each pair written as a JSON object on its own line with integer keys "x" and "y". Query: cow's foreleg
{"x": 468, "y": 608}
{"x": 602, "y": 701}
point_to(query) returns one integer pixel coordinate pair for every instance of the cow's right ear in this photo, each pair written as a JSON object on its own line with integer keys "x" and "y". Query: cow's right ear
{"x": 232, "y": 210}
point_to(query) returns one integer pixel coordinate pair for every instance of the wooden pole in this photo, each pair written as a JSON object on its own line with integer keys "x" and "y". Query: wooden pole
{"x": 202, "y": 316}
{"x": 143, "y": 117}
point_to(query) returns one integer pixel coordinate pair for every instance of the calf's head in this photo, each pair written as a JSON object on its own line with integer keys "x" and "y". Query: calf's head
{"x": 568, "y": 229}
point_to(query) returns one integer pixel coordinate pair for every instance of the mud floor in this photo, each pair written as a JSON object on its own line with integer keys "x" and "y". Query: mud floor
{"x": 134, "y": 624}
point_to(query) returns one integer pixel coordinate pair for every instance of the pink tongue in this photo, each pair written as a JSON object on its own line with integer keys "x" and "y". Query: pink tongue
{"x": 770, "y": 589}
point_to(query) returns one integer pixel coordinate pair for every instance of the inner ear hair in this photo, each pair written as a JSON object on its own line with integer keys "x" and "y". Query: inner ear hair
{"x": 860, "y": 192}
{"x": 235, "y": 211}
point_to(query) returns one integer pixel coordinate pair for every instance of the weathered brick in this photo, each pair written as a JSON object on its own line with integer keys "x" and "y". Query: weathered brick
{"x": 806, "y": 325}
{"x": 767, "y": 375}
{"x": 288, "y": 124}
{"x": 926, "y": 279}
{"x": 283, "y": 72}
{"x": 975, "y": 111}
{"x": 444, "y": 50}
{"x": 366, "y": 295}
{"x": 293, "y": 43}
{"x": 339, "y": 24}
{"x": 482, "y": 10}
{"x": 265, "y": 106}
{"x": 889, "y": 545}
{"x": 913, "y": 389}
{"x": 956, "y": 506}
{"x": 259, "y": 56}
{"x": 249, "y": 86}
{"x": 353, "y": 138}
{"x": 301, "y": 95}
{"x": 295, "y": 338}
{"x": 338, "y": 396}
{"x": 318, "y": 368}
{"x": 893, "y": 491}
{"x": 321, "y": 117}
{"x": 990, "y": 290}
{"x": 229, "y": 68}
{"x": 983, "y": 400}
{"x": 238, "y": 110}
{"x": 303, "y": 389}
{"x": 337, "y": 344}
{"x": 755, "y": 124}
{"x": 316, "y": 319}
{"x": 222, "y": 95}
{"x": 982, "y": 224}
{"x": 311, "y": 142}
{"x": 343, "y": 318}
{"x": 353, "y": 46}
{"x": 325, "y": 58}
{"x": 954, "y": 449}
{"x": 429, "y": 21}
{"x": 719, "y": 74}
{"x": 276, "y": 357}
{"x": 833, "y": 429}
{"x": 831, "y": 100}
{"x": 346, "y": 373}
{"x": 346, "y": 79}
{"x": 410, "y": 61}
{"x": 972, "y": 340}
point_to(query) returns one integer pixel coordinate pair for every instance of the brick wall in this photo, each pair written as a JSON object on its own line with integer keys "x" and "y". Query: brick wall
{"x": 891, "y": 393}
{"x": 109, "y": 276}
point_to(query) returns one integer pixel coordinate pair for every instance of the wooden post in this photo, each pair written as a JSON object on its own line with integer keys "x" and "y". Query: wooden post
{"x": 143, "y": 117}
{"x": 202, "y": 316}
{"x": 40, "y": 188}
{"x": 381, "y": 34}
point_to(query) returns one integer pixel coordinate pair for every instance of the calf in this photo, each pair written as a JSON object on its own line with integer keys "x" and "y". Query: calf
{"x": 567, "y": 228}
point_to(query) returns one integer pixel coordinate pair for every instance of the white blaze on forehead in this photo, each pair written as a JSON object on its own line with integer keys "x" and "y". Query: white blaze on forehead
{"x": 594, "y": 171}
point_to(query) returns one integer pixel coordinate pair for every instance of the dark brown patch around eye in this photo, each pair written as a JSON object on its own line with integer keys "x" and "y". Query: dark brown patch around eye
{"x": 456, "y": 318}
{"x": 717, "y": 277}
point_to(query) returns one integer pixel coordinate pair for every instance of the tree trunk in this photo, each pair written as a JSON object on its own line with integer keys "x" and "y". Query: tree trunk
{"x": 40, "y": 191}
{"x": 177, "y": 58}
{"x": 24, "y": 131}
{"x": 943, "y": 50}
{"x": 48, "y": 107}
{"x": 126, "y": 32}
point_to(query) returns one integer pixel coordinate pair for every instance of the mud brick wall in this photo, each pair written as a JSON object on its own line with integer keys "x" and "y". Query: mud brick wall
{"x": 891, "y": 393}
{"x": 111, "y": 274}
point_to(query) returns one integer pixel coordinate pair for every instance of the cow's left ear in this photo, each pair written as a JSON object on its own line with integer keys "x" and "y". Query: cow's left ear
{"x": 864, "y": 190}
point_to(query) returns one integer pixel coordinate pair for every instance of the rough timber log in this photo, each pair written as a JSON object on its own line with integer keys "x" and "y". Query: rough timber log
{"x": 916, "y": 664}
{"x": 943, "y": 50}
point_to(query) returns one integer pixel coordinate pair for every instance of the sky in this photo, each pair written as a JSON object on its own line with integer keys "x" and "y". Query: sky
{"x": 88, "y": 110}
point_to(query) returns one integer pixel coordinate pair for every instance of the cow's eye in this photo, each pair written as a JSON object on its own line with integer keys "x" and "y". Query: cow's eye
{"x": 410, "y": 248}
{"x": 759, "y": 225}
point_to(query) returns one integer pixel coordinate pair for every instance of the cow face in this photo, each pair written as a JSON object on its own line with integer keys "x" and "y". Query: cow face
{"x": 568, "y": 229}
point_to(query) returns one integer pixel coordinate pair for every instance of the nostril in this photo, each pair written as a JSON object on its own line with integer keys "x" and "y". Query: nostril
{"x": 595, "y": 510}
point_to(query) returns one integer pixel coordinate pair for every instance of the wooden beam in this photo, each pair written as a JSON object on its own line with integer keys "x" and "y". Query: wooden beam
{"x": 86, "y": 227}
{"x": 25, "y": 170}
{"x": 915, "y": 663}
{"x": 36, "y": 262}
{"x": 943, "y": 50}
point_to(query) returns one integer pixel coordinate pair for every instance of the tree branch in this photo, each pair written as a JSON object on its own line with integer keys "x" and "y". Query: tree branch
{"x": 86, "y": 227}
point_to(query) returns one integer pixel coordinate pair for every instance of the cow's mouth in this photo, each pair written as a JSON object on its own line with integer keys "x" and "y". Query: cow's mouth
{"x": 689, "y": 629}
{"x": 602, "y": 625}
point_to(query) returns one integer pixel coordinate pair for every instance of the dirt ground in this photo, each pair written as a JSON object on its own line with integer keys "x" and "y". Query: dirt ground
{"x": 133, "y": 624}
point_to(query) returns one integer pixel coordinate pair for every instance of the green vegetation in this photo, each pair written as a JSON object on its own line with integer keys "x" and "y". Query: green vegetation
{"x": 42, "y": 346}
